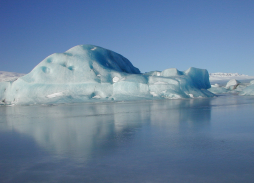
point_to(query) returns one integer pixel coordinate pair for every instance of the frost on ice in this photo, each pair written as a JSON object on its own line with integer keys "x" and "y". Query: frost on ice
{"x": 91, "y": 73}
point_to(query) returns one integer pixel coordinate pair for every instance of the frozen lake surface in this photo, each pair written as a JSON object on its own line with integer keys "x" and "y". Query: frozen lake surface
{"x": 189, "y": 140}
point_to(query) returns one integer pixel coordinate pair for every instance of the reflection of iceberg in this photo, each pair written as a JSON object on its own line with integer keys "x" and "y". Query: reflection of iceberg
{"x": 181, "y": 112}
{"x": 92, "y": 73}
{"x": 84, "y": 130}
{"x": 77, "y": 130}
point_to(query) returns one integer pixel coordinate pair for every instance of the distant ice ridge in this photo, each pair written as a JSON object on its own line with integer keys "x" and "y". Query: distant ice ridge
{"x": 9, "y": 76}
{"x": 220, "y": 74}
{"x": 88, "y": 73}
{"x": 223, "y": 78}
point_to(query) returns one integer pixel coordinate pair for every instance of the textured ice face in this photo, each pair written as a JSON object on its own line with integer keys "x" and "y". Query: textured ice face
{"x": 91, "y": 73}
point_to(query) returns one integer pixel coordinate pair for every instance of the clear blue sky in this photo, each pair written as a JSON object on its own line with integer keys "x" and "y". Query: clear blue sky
{"x": 217, "y": 35}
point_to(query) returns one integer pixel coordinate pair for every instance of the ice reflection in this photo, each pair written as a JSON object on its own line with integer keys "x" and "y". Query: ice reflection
{"x": 182, "y": 113}
{"x": 200, "y": 140}
{"x": 82, "y": 131}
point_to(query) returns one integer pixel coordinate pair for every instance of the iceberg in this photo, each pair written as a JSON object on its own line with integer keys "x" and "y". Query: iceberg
{"x": 88, "y": 73}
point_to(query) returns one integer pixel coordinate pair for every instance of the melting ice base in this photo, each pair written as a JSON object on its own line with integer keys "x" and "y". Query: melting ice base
{"x": 194, "y": 140}
{"x": 91, "y": 73}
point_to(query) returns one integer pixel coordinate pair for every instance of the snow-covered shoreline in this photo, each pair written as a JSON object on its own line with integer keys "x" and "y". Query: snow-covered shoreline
{"x": 222, "y": 74}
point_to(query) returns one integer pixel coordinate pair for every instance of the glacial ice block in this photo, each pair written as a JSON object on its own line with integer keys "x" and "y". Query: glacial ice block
{"x": 91, "y": 73}
{"x": 200, "y": 77}
{"x": 232, "y": 84}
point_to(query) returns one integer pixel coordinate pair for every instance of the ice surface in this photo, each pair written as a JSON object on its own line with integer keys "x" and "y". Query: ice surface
{"x": 200, "y": 77}
{"x": 215, "y": 85}
{"x": 218, "y": 90}
{"x": 171, "y": 72}
{"x": 249, "y": 90}
{"x": 153, "y": 73}
{"x": 91, "y": 73}
{"x": 202, "y": 140}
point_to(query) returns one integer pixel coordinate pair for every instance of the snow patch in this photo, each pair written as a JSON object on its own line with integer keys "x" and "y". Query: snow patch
{"x": 160, "y": 83}
{"x": 215, "y": 85}
{"x": 115, "y": 79}
{"x": 154, "y": 94}
{"x": 53, "y": 95}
